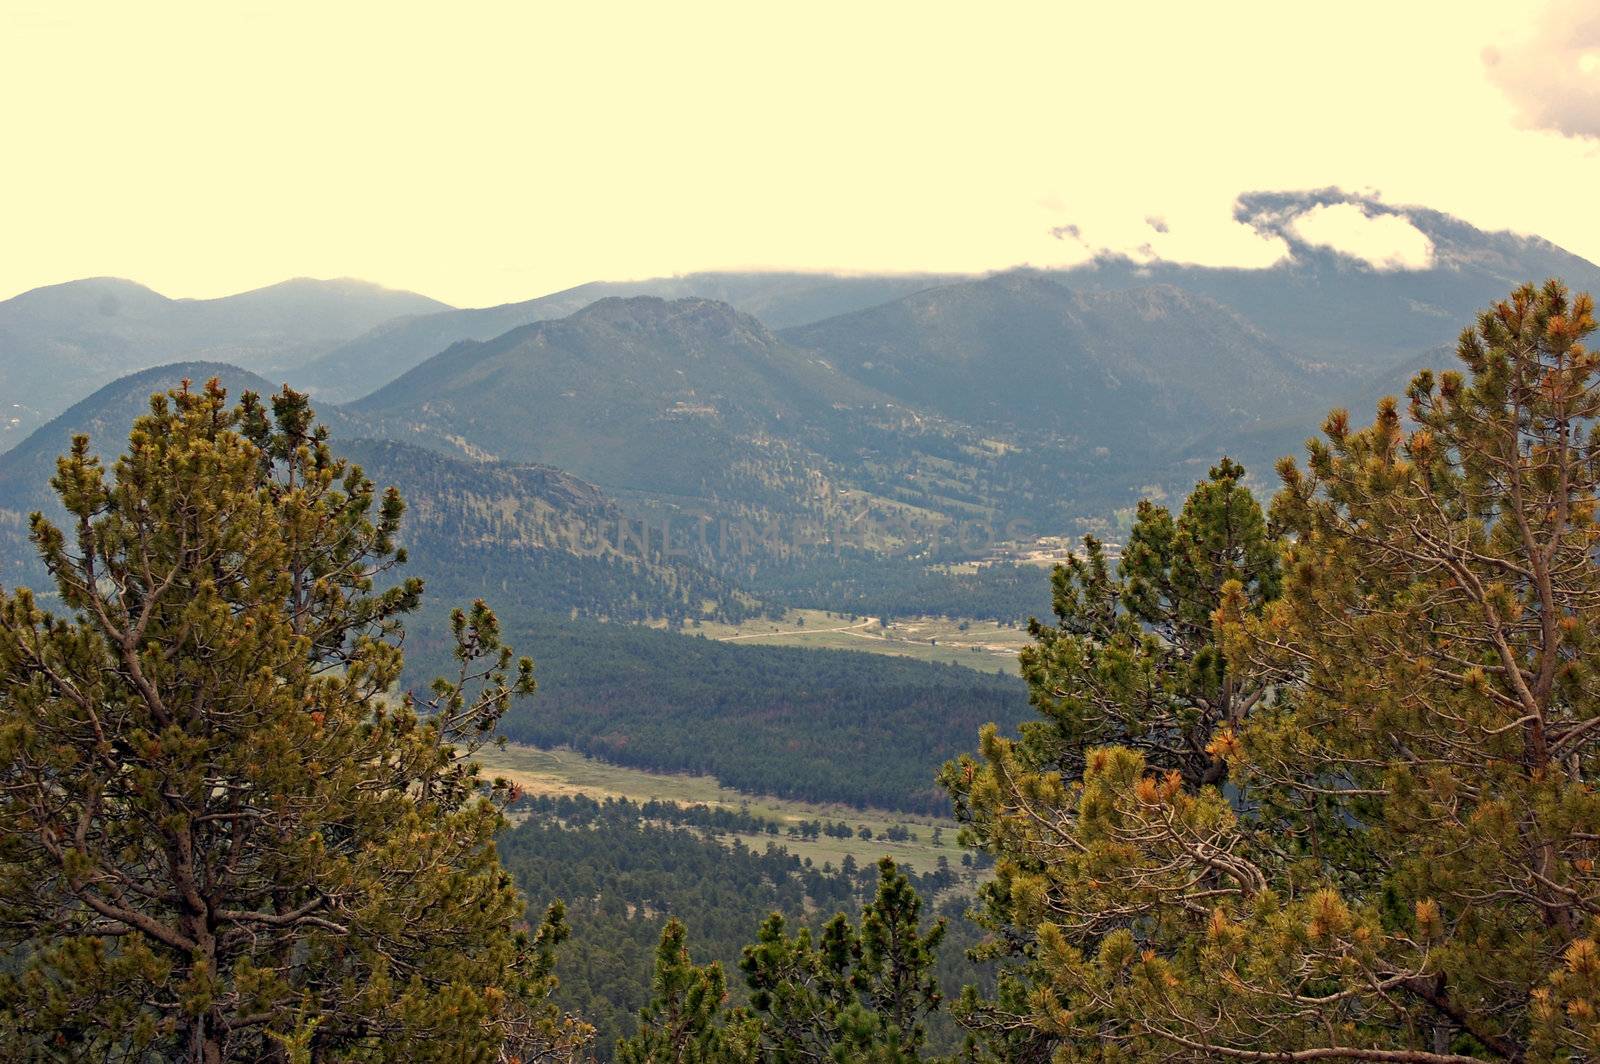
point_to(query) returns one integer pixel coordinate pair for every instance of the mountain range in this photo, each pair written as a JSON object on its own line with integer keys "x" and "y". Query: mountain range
{"x": 355, "y": 368}
{"x": 644, "y": 394}
{"x": 810, "y": 403}
{"x": 1010, "y": 397}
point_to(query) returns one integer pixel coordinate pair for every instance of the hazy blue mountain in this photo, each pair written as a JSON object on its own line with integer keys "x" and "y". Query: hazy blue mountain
{"x": 1024, "y": 353}
{"x": 1261, "y": 444}
{"x": 58, "y": 344}
{"x": 372, "y": 360}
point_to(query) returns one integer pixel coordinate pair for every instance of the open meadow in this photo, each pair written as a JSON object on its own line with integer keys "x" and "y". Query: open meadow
{"x": 567, "y": 772}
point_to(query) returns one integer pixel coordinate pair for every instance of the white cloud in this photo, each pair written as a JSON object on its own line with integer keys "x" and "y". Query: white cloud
{"x": 1383, "y": 241}
{"x": 1552, "y": 73}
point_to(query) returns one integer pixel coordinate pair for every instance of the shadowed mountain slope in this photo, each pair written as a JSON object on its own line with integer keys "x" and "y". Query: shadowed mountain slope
{"x": 535, "y": 536}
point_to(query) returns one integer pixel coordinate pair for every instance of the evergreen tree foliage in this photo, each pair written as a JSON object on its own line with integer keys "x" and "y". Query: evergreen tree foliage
{"x": 1132, "y": 657}
{"x": 1133, "y": 660}
{"x": 627, "y": 867}
{"x": 1403, "y": 866}
{"x": 854, "y": 993}
{"x": 220, "y": 837}
{"x": 684, "y": 1022}
{"x": 850, "y": 993}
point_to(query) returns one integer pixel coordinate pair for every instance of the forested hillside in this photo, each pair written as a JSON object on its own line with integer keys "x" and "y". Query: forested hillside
{"x": 542, "y": 539}
{"x": 535, "y": 538}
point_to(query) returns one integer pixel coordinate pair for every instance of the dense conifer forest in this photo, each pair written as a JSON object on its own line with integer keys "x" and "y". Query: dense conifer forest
{"x": 909, "y": 587}
{"x": 829, "y": 726}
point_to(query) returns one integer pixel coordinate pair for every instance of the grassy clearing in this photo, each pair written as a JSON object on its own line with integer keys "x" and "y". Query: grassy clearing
{"x": 559, "y": 772}
{"x": 981, "y": 645}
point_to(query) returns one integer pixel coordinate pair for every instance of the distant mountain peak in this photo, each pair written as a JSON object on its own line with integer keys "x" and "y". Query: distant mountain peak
{"x": 1453, "y": 242}
{"x": 691, "y": 319}
{"x": 655, "y": 308}
{"x": 293, "y": 286}
{"x": 71, "y": 296}
{"x": 777, "y": 299}
{"x": 340, "y": 288}
{"x": 1025, "y": 279}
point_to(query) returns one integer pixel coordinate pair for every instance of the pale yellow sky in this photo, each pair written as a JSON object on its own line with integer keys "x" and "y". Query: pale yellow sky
{"x": 481, "y": 153}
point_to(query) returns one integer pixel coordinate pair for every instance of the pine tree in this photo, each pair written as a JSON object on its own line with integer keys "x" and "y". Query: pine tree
{"x": 852, "y": 994}
{"x": 857, "y": 994}
{"x": 1404, "y": 866}
{"x": 1131, "y": 660}
{"x": 686, "y": 1021}
{"x": 1132, "y": 657}
{"x": 221, "y": 837}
